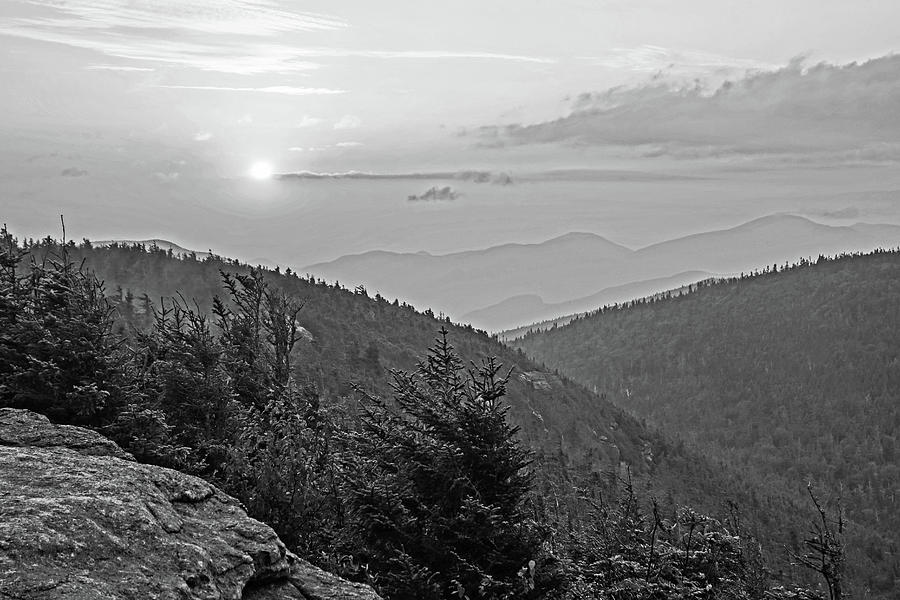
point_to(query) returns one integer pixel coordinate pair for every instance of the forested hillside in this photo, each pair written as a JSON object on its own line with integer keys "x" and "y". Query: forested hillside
{"x": 790, "y": 375}
{"x": 277, "y": 387}
{"x": 351, "y": 338}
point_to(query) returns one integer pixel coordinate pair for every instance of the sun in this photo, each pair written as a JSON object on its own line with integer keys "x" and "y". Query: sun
{"x": 261, "y": 170}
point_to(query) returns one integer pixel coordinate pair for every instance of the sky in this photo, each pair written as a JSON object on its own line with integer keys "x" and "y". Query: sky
{"x": 170, "y": 99}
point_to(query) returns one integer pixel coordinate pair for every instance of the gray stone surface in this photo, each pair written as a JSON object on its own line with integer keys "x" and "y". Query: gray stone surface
{"x": 80, "y": 519}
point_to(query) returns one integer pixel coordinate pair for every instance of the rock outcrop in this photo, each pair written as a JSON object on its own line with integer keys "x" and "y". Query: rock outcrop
{"x": 80, "y": 519}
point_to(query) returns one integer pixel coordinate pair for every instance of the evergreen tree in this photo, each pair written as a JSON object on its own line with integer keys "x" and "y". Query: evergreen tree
{"x": 437, "y": 487}
{"x": 58, "y": 355}
{"x": 178, "y": 370}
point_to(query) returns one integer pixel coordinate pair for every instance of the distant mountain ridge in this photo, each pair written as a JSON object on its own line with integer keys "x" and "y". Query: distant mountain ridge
{"x": 177, "y": 250}
{"x": 515, "y": 284}
{"x": 512, "y": 335}
{"x": 512, "y": 312}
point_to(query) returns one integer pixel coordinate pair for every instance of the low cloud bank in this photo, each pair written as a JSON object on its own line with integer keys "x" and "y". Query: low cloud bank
{"x": 847, "y": 113}
{"x": 473, "y": 176}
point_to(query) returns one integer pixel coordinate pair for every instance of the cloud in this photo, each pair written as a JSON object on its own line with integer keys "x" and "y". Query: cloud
{"x": 418, "y": 54}
{"x": 243, "y": 17}
{"x": 435, "y": 194}
{"x": 320, "y": 148}
{"x": 308, "y": 121}
{"x": 203, "y": 136}
{"x": 203, "y": 34}
{"x": 73, "y": 172}
{"x": 348, "y": 122}
{"x": 169, "y": 177}
{"x": 499, "y": 178}
{"x": 849, "y": 212}
{"x": 274, "y": 89}
{"x": 846, "y": 113}
{"x": 223, "y": 56}
{"x": 116, "y": 68}
{"x": 652, "y": 59}
{"x": 244, "y": 37}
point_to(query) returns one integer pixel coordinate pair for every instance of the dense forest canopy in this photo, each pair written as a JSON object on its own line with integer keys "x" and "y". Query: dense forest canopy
{"x": 431, "y": 468}
{"x": 792, "y": 374}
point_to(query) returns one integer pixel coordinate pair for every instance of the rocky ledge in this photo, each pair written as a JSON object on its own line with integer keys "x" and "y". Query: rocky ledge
{"x": 80, "y": 519}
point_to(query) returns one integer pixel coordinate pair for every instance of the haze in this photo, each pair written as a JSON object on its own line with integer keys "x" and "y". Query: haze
{"x": 146, "y": 119}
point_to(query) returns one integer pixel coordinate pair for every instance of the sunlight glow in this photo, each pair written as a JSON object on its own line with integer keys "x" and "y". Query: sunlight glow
{"x": 261, "y": 170}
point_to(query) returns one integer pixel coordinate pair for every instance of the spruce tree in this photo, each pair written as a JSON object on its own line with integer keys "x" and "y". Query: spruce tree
{"x": 58, "y": 355}
{"x": 437, "y": 485}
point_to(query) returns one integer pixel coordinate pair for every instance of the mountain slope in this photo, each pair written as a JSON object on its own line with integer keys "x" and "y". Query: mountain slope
{"x": 583, "y": 442}
{"x": 577, "y": 265}
{"x": 790, "y": 376}
{"x": 352, "y": 337}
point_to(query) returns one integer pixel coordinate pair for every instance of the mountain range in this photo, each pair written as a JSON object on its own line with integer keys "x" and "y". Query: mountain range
{"x": 581, "y": 439}
{"x": 515, "y": 284}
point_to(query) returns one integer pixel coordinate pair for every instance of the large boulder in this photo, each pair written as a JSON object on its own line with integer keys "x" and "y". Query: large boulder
{"x": 80, "y": 519}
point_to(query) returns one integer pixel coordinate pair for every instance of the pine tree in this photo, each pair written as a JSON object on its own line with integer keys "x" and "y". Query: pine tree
{"x": 58, "y": 355}
{"x": 438, "y": 485}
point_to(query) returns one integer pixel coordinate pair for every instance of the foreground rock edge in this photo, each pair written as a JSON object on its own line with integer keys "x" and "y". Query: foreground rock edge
{"x": 80, "y": 519}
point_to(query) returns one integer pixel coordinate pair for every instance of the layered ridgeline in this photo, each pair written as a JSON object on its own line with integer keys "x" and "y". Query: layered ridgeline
{"x": 791, "y": 375}
{"x": 511, "y": 285}
{"x": 583, "y": 442}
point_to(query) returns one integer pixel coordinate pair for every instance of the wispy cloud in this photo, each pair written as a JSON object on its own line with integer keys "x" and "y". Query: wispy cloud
{"x": 308, "y": 121}
{"x": 417, "y": 54}
{"x": 116, "y": 68}
{"x": 169, "y": 177}
{"x": 287, "y": 90}
{"x": 321, "y": 148}
{"x": 223, "y": 57}
{"x": 203, "y": 136}
{"x": 203, "y": 34}
{"x": 348, "y": 122}
{"x": 245, "y": 17}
